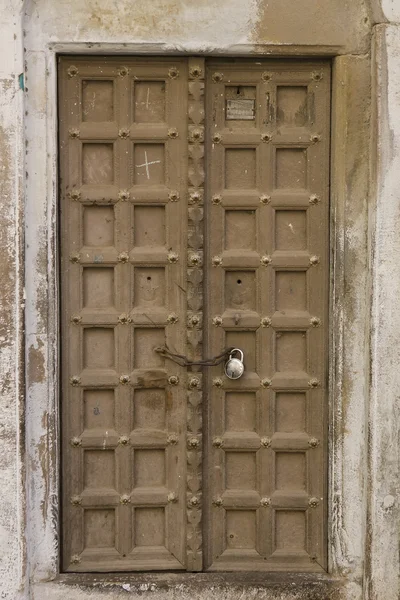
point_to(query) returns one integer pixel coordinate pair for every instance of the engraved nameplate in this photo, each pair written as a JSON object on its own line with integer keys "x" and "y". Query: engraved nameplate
{"x": 242, "y": 109}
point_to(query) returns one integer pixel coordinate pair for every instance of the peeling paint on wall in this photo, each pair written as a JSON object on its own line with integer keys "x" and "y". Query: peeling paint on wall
{"x": 193, "y": 26}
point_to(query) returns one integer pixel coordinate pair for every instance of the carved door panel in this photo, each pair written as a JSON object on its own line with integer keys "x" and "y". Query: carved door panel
{"x": 123, "y": 243}
{"x": 267, "y": 294}
{"x": 147, "y": 483}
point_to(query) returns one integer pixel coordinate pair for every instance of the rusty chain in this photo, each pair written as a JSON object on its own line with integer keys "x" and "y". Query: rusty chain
{"x": 181, "y": 360}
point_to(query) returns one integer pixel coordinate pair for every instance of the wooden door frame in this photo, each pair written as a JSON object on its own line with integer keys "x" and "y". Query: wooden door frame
{"x": 349, "y": 345}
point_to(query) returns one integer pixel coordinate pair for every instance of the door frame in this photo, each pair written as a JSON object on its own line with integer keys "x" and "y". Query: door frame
{"x": 349, "y": 310}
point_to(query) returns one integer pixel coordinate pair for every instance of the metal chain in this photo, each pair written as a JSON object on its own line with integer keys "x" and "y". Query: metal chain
{"x": 184, "y": 362}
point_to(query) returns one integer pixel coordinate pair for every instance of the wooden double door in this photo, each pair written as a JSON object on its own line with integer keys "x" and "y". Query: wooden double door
{"x": 194, "y": 217}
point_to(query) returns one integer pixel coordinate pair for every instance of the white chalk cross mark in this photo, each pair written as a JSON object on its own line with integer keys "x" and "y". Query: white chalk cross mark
{"x": 147, "y": 164}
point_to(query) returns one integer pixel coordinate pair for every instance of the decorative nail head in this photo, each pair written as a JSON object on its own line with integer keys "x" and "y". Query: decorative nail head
{"x": 173, "y": 196}
{"x": 72, "y": 71}
{"x": 123, "y": 195}
{"x": 172, "y": 257}
{"x": 173, "y": 73}
{"x": 217, "y": 77}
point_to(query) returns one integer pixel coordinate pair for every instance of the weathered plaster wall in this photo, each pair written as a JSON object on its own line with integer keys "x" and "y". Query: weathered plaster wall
{"x": 204, "y": 25}
{"x": 11, "y": 366}
{"x": 384, "y": 421}
{"x": 227, "y": 26}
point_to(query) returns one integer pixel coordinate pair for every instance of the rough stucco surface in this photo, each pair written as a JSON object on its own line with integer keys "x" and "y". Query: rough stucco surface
{"x": 201, "y": 26}
{"x": 391, "y": 10}
{"x": 204, "y": 25}
{"x": 11, "y": 492}
{"x": 385, "y": 351}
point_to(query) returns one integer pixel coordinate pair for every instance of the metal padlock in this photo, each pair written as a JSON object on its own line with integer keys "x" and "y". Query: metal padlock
{"x": 234, "y": 367}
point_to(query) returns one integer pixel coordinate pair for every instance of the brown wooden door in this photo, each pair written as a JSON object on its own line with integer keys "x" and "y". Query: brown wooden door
{"x": 147, "y": 482}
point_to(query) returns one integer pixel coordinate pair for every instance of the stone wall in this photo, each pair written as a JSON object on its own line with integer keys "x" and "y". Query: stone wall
{"x": 364, "y": 474}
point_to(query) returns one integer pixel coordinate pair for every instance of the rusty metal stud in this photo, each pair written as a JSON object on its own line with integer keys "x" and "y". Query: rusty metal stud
{"x": 265, "y": 260}
{"x": 123, "y": 195}
{"x": 218, "y": 442}
{"x": 124, "y": 379}
{"x": 193, "y": 443}
{"x": 125, "y": 499}
{"x": 315, "y": 322}
{"x": 196, "y": 71}
{"x": 266, "y": 322}
{"x": 217, "y": 138}
{"x": 266, "y": 137}
{"x": 194, "y": 259}
{"x": 194, "y": 382}
{"x": 75, "y": 380}
{"x": 314, "y": 199}
{"x": 217, "y": 77}
{"x": 74, "y": 133}
{"x": 74, "y": 195}
{"x": 75, "y": 559}
{"x": 76, "y": 500}
{"x": 216, "y": 199}
{"x": 172, "y": 257}
{"x": 124, "y": 319}
{"x": 123, "y": 134}
{"x": 216, "y": 261}
{"x": 313, "y": 442}
{"x": 217, "y": 382}
{"x": 173, "y": 196}
{"x": 76, "y": 442}
{"x": 123, "y": 71}
{"x": 265, "y": 199}
{"x": 173, "y": 133}
{"x": 316, "y": 76}
{"x": 172, "y": 319}
{"x": 217, "y": 502}
{"x": 173, "y": 380}
{"x": 313, "y": 383}
{"x": 196, "y": 135}
{"x": 313, "y": 502}
{"x": 123, "y": 257}
{"x": 266, "y": 383}
{"x": 172, "y": 498}
{"x": 314, "y": 260}
{"x": 72, "y": 71}
{"x": 266, "y": 76}
{"x": 76, "y": 319}
{"x": 173, "y": 73}
{"x": 75, "y": 257}
{"x": 315, "y": 138}
{"x": 194, "y": 501}
{"x": 195, "y": 197}
{"x": 217, "y": 321}
{"x": 194, "y": 320}
{"x": 265, "y": 501}
{"x": 123, "y": 440}
{"x": 172, "y": 439}
{"x": 266, "y": 442}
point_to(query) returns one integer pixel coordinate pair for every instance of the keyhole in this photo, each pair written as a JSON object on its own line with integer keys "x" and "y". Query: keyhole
{"x": 238, "y": 91}
{"x": 149, "y": 278}
{"x": 239, "y": 281}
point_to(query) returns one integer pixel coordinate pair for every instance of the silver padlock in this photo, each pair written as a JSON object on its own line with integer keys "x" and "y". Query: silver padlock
{"x": 234, "y": 367}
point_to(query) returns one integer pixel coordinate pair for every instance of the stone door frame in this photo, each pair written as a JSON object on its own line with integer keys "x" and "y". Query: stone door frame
{"x": 350, "y": 314}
